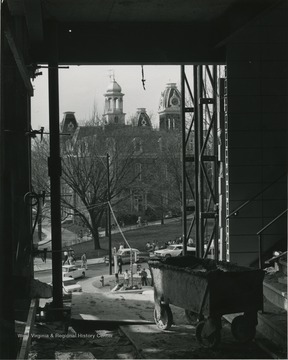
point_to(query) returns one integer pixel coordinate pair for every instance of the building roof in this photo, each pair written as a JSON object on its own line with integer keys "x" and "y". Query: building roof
{"x": 141, "y": 118}
{"x": 114, "y": 87}
{"x": 170, "y": 99}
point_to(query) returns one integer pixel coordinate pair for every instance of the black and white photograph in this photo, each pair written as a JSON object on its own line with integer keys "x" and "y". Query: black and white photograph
{"x": 143, "y": 179}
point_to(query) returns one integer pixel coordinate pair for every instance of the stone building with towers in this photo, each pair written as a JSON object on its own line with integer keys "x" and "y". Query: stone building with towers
{"x": 150, "y": 194}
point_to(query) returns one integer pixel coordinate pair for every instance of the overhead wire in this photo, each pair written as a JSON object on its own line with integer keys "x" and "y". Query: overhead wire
{"x": 120, "y": 230}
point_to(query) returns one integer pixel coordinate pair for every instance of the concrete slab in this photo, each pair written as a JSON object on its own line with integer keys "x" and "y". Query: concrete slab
{"x": 107, "y": 307}
{"x": 180, "y": 343}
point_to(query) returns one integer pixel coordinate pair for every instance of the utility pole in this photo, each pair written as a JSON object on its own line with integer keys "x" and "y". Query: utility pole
{"x": 109, "y": 214}
{"x": 40, "y": 220}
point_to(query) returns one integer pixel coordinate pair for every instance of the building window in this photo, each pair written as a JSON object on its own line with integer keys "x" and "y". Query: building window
{"x": 110, "y": 145}
{"x": 160, "y": 142}
{"x": 137, "y": 145}
{"x": 165, "y": 198}
{"x": 138, "y": 202}
{"x": 165, "y": 170}
{"x": 138, "y": 171}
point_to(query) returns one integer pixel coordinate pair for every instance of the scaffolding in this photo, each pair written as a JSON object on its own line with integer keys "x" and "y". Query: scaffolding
{"x": 203, "y": 179}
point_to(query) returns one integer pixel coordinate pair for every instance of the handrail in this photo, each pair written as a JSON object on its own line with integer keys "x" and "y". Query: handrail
{"x": 259, "y": 233}
{"x": 271, "y": 222}
{"x": 234, "y": 212}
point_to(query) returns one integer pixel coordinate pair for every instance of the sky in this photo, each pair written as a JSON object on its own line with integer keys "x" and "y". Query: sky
{"x": 81, "y": 89}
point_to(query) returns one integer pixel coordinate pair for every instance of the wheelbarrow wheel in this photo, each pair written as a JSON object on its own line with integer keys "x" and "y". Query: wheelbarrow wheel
{"x": 243, "y": 329}
{"x": 164, "y": 319}
{"x": 212, "y": 340}
{"x": 192, "y": 317}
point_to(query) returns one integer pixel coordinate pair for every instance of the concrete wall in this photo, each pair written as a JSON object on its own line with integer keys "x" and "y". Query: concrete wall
{"x": 257, "y": 81}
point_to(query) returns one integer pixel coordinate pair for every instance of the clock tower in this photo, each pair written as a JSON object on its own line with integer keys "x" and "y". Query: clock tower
{"x": 169, "y": 108}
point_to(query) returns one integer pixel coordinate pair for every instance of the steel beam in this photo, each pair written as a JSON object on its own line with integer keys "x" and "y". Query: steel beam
{"x": 183, "y": 133}
{"x": 18, "y": 57}
{"x": 55, "y": 168}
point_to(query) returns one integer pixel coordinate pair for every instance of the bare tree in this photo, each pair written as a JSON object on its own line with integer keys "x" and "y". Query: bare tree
{"x": 166, "y": 176}
{"x": 39, "y": 156}
{"x": 85, "y": 174}
{"x": 40, "y": 181}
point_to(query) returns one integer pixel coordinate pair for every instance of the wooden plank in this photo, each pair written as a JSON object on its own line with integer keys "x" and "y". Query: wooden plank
{"x": 23, "y": 353}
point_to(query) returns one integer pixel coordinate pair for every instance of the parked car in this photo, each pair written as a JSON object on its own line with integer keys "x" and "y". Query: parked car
{"x": 173, "y": 250}
{"x": 73, "y": 271}
{"x": 70, "y": 286}
{"x": 124, "y": 254}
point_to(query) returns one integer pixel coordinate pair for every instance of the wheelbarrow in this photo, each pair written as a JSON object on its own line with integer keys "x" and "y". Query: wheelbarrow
{"x": 207, "y": 290}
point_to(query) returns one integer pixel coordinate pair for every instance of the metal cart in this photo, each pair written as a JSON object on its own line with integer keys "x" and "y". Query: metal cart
{"x": 207, "y": 289}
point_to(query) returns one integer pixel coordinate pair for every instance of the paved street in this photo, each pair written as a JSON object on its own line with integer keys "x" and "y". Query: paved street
{"x": 93, "y": 270}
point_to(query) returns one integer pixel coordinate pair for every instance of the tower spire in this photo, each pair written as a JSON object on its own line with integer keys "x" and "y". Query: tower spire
{"x": 112, "y": 74}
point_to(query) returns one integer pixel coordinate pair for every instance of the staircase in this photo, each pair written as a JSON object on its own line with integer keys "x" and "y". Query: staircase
{"x": 272, "y": 323}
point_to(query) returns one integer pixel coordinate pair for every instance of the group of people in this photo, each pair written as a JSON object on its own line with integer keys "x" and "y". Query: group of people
{"x": 177, "y": 240}
{"x": 151, "y": 247}
{"x": 126, "y": 275}
{"x": 70, "y": 259}
{"x": 143, "y": 275}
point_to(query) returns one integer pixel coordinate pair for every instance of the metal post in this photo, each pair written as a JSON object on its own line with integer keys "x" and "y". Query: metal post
{"x": 196, "y": 166}
{"x": 8, "y": 344}
{"x": 54, "y": 164}
{"x": 109, "y": 214}
{"x": 200, "y": 145}
{"x": 260, "y": 250}
{"x": 215, "y": 166}
{"x": 221, "y": 175}
{"x": 183, "y": 128}
{"x": 40, "y": 219}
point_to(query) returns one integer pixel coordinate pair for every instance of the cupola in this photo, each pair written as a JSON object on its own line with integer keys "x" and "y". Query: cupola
{"x": 113, "y": 109}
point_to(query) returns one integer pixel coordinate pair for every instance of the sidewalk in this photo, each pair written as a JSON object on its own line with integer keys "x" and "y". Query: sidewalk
{"x": 40, "y": 265}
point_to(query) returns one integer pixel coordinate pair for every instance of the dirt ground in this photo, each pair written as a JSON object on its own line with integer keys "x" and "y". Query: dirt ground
{"x": 121, "y": 326}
